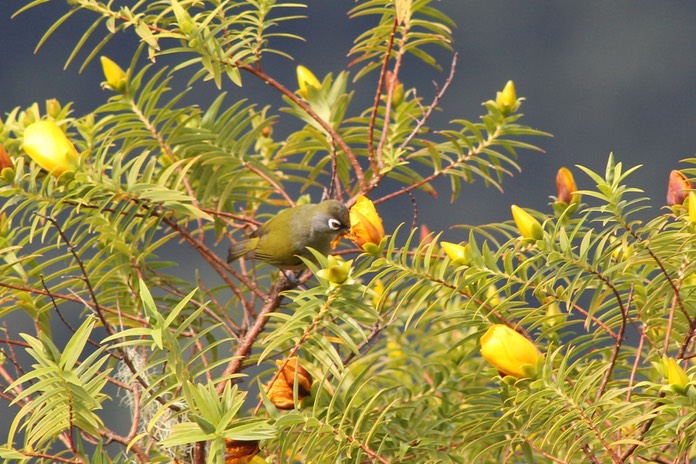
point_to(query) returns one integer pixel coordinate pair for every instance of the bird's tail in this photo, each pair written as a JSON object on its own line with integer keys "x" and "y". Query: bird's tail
{"x": 241, "y": 248}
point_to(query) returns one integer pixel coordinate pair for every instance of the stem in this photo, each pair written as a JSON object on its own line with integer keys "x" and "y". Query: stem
{"x": 244, "y": 348}
{"x": 378, "y": 97}
{"x": 359, "y": 174}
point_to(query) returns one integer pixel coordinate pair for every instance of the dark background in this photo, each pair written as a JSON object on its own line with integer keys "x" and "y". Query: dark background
{"x": 600, "y": 76}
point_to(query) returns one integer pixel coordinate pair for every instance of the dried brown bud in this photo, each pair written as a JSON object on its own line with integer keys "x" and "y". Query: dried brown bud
{"x": 280, "y": 392}
{"x": 240, "y": 451}
{"x": 677, "y": 188}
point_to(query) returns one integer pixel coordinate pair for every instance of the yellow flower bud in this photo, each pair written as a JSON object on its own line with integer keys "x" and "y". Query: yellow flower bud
{"x": 240, "y": 451}
{"x": 460, "y": 255}
{"x": 53, "y": 107}
{"x": 692, "y": 207}
{"x": 509, "y": 352}
{"x": 507, "y": 99}
{"x": 48, "y": 146}
{"x": 673, "y": 373}
{"x": 554, "y": 315}
{"x": 280, "y": 392}
{"x": 306, "y": 79}
{"x": 622, "y": 251}
{"x": 338, "y": 271}
{"x": 398, "y": 92}
{"x": 528, "y": 226}
{"x": 114, "y": 75}
{"x": 677, "y": 188}
{"x": 365, "y": 224}
{"x": 492, "y": 295}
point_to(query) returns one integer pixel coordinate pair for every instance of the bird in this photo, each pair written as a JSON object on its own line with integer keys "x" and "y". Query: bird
{"x": 283, "y": 240}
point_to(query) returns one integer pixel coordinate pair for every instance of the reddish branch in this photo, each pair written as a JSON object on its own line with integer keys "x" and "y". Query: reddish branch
{"x": 324, "y": 124}
{"x": 378, "y": 98}
{"x": 244, "y": 348}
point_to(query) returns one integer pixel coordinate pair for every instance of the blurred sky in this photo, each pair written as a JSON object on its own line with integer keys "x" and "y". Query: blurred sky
{"x": 600, "y": 76}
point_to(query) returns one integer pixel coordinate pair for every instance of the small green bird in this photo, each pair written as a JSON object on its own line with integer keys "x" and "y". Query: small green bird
{"x": 284, "y": 238}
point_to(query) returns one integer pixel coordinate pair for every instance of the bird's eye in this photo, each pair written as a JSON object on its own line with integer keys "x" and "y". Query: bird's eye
{"x": 334, "y": 224}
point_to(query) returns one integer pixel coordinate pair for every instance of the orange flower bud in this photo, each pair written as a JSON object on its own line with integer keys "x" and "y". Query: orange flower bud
{"x": 5, "y": 160}
{"x": 240, "y": 451}
{"x": 566, "y": 187}
{"x": 48, "y": 146}
{"x": 114, "y": 75}
{"x": 306, "y": 79}
{"x": 509, "y": 352}
{"x": 528, "y": 226}
{"x": 280, "y": 392}
{"x": 677, "y": 188}
{"x": 506, "y": 100}
{"x": 365, "y": 224}
{"x": 424, "y": 235}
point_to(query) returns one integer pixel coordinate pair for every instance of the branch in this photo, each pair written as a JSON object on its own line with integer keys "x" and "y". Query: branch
{"x": 244, "y": 348}
{"x": 470, "y": 154}
{"x": 325, "y": 125}
{"x": 433, "y": 105}
{"x": 378, "y": 98}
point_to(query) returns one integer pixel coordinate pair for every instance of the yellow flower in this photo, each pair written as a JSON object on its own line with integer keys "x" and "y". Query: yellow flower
{"x": 114, "y": 75}
{"x": 677, "y": 188}
{"x": 458, "y": 254}
{"x": 674, "y": 374}
{"x": 306, "y": 79}
{"x": 509, "y": 352}
{"x": 46, "y": 144}
{"x": 280, "y": 392}
{"x": 528, "y": 226}
{"x": 240, "y": 451}
{"x": 692, "y": 207}
{"x": 507, "y": 99}
{"x": 365, "y": 224}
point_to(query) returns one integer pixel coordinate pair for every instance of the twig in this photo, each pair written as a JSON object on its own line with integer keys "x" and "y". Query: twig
{"x": 214, "y": 260}
{"x": 359, "y": 174}
{"x": 634, "y": 369}
{"x": 372, "y": 454}
{"x": 83, "y": 271}
{"x": 125, "y": 441}
{"x": 244, "y": 348}
{"x": 675, "y": 287}
{"x": 433, "y": 105}
{"x": 72, "y": 298}
{"x": 470, "y": 154}
{"x": 622, "y": 330}
{"x": 388, "y": 103}
{"x": 275, "y": 184}
{"x": 375, "y": 165}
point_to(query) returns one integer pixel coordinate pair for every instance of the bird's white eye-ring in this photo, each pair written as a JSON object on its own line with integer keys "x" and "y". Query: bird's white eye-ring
{"x": 334, "y": 224}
